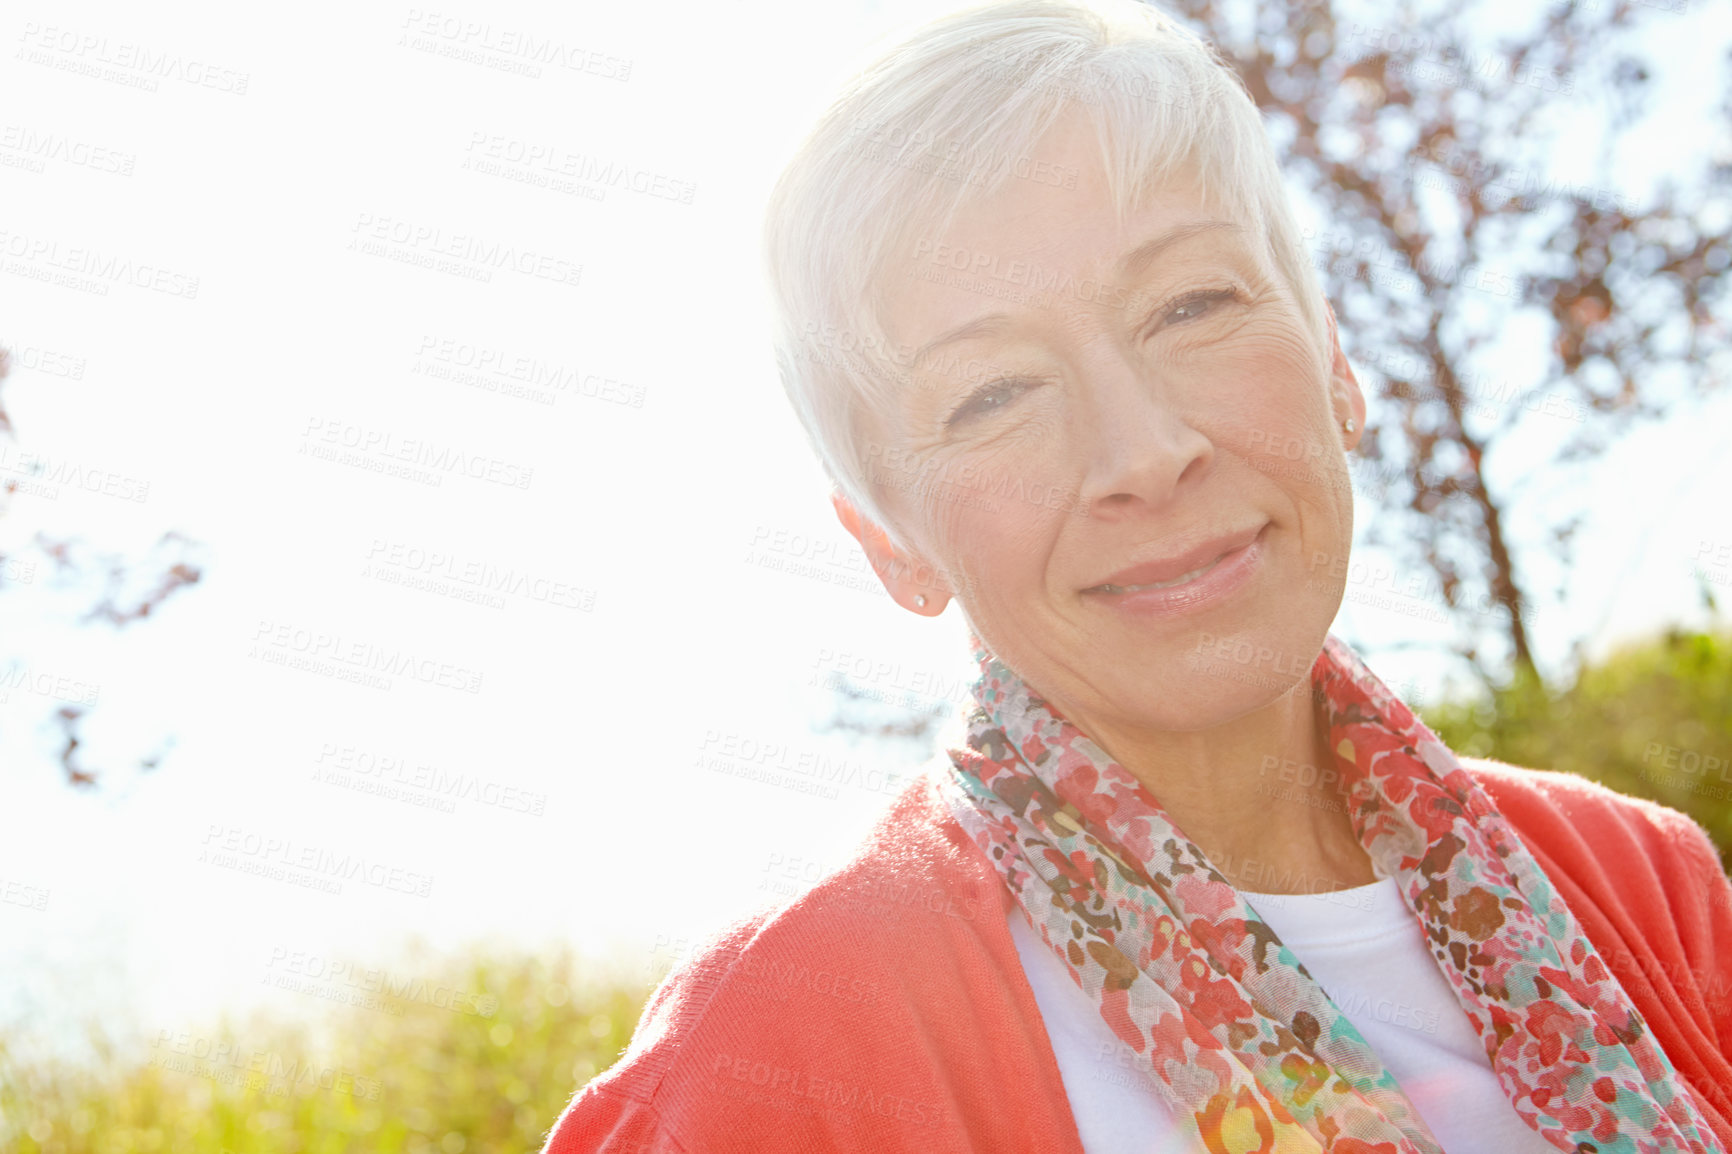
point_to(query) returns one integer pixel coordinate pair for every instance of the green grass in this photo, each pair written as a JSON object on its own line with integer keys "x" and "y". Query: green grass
{"x": 399, "y": 1074}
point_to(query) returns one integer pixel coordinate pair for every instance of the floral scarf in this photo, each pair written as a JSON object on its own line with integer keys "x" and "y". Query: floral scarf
{"x": 1239, "y": 1036}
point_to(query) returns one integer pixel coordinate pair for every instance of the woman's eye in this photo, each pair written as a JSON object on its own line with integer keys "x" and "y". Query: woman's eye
{"x": 982, "y": 399}
{"x": 1197, "y": 304}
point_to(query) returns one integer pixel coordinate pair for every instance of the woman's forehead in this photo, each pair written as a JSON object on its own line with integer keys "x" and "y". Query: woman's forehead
{"x": 1054, "y": 191}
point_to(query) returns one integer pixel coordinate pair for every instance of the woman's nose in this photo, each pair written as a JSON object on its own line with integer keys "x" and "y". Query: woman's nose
{"x": 1140, "y": 448}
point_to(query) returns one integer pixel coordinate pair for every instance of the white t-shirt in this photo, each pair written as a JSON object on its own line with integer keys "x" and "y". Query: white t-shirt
{"x": 1368, "y": 951}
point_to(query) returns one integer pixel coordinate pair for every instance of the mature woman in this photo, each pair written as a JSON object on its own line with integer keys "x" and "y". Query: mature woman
{"x": 1189, "y": 877}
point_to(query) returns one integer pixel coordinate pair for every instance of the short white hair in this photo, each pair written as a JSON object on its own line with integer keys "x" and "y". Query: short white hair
{"x": 949, "y": 115}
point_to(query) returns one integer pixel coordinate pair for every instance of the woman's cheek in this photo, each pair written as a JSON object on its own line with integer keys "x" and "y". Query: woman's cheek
{"x": 987, "y": 510}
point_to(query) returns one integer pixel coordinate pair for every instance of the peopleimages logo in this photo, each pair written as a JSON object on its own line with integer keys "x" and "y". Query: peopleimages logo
{"x": 1024, "y": 274}
{"x": 412, "y": 451}
{"x": 37, "y": 148}
{"x": 274, "y": 642}
{"x": 373, "y": 987}
{"x": 553, "y": 161}
{"x": 44, "y": 475}
{"x": 395, "y": 774}
{"x": 483, "y": 576}
{"x": 482, "y": 43}
{"x": 495, "y": 369}
{"x": 43, "y": 683}
{"x": 91, "y": 54}
{"x": 43, "y": 254}
{"x": 231, "y": 846}
{"x": 383, "y": 235}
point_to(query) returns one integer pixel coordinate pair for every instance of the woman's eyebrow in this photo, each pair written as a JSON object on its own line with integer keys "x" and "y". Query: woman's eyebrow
{"x": 976, "y": 327}
{"x": 1139, "y": 258}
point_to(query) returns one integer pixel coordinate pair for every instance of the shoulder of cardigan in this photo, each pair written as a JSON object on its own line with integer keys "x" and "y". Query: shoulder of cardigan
{"x": 915, "y": 872}
{"x": 893, "y": 980}
{"x": 1583, "y": 806}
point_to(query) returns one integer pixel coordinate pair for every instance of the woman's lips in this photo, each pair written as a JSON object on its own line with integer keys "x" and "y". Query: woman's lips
{"x": 1172, "y": 571}
{"x": 1191, "y": 576}
{"x": 1225, "y": 574}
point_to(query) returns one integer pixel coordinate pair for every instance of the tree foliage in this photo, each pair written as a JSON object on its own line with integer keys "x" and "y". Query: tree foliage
{"x": 1451, "y": 215}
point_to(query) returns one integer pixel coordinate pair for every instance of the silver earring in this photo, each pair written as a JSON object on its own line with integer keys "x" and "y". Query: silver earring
{"x": 1348, "y": 425}
{"x": 920, "y": 600}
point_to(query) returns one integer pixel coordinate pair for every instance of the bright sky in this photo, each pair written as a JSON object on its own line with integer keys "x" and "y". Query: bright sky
{"x": 304, "y": 171}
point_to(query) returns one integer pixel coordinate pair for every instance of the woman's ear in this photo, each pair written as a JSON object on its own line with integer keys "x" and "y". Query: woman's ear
{"x": 1346, "y": 398}
{"x": 910, "y": 581}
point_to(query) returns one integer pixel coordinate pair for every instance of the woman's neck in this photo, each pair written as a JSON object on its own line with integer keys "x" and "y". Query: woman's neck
{"x": 1262, "y": 796}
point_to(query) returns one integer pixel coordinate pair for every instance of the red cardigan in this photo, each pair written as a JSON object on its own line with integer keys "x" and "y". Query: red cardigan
{"x": 885, "y": 1009}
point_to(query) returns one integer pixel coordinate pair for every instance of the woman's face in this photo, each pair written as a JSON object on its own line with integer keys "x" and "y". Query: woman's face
{"x": 1097, "y": 399}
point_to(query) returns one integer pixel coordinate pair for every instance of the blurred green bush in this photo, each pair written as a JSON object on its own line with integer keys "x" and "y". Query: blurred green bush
{"x": 1653, "y": 720}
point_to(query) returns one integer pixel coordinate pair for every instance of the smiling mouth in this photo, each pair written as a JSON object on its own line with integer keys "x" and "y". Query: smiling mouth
{"x": 1180, "y": 580}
